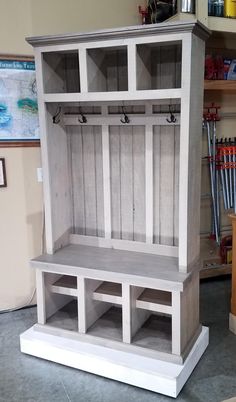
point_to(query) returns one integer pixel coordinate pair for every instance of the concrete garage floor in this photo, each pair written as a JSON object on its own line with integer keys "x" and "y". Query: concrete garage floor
{"x": 27, "y": 379}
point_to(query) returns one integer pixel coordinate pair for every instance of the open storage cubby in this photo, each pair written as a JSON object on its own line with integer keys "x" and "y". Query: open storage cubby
{"x": 107, "y": 69}
{"x": 155, "y": 334}
{"x": 122, "y": 168}
{"x": 159, "y": 66}
{"x": 61, "y": 72}
{"x": 61, "y": 308}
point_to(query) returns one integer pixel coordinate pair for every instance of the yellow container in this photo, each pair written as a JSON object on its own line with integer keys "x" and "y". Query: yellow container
{"x": 230, "y": 8}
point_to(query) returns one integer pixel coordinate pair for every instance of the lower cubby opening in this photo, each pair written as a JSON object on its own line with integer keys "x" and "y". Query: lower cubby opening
{"x": 155, "y": 333}
{"x": 109, "y": 325}
{"x": 65, "y": 317}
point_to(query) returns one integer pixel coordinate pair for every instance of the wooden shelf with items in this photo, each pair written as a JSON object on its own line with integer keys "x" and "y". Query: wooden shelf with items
{"x": 220, "y": 85}
{"x": 216, "y": 24}
{"x": 211, "y": 263}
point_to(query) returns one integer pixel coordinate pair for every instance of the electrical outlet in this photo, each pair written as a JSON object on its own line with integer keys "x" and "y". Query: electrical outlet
{"x": 40, "y": 175}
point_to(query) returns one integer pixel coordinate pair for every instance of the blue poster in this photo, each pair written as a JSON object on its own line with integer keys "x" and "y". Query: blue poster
{"x": 18, "y": 101}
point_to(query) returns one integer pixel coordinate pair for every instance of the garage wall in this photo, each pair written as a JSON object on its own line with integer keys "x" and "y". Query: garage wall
{"x": 21, "y": 202}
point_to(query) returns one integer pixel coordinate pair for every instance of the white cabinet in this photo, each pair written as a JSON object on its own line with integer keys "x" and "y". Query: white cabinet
{"x": 120, "y": 115}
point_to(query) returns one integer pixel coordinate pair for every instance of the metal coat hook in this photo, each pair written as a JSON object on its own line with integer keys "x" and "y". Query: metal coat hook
{"x": 83, "y": 117}
{"x": 172, "y": 118}
{"x": 57, "y": 115}
{"x": 125, "y": 119}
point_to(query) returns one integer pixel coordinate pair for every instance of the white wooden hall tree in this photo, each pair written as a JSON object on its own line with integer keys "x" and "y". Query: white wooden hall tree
{"x": 118, "y": 290}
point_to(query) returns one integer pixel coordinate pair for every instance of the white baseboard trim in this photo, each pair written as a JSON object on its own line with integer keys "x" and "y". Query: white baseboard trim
{"x": 144, "y": 372}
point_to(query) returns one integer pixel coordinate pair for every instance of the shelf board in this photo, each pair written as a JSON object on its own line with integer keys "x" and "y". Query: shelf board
{"x": 215, "y": 270}
{"x": 109, "y": 292}
{"x": 155, "y": 300}
{"x": 172, "y": 93}
{"x": 220, "y": 85}
{"x": 66, "y": 285}
{"x": 220, "y": 24}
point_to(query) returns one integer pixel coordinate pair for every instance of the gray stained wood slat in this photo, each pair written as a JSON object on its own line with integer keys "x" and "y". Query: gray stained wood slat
{"x": 99, "y": 180}
{"x": 167, "y": 186}
{"x": 109, "y": 288}
{"x": 77, "y": 179}
{"x": 156, "y": 183}
{"x": 139, "y": 184}
{"x": 166, "y": 178}
{"x": 87, "y": 178}
{"x": 67, "y": 281}
{"x": 126, "y": 178}
{"x": 176, "y": 186}
{"x": 156, "y": 296}
{"x": 121, "y": 265}
{"x": 115, "y": 182}
{"x": 59, "y": 173}
{"x": 127, "y": 154}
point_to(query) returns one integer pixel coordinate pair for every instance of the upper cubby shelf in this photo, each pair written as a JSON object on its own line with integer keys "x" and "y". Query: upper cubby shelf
{"x": 131, "y": 63}
{"x": 158, "y": 66}
{"x": 107, "y": 69}
{"x": 220, "y": 85}
{"x": 216, "y": 24}
{"x": 61, "y": 72}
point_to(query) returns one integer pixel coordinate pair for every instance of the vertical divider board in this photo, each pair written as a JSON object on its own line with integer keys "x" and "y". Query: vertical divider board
{"x": 83, "y": 70}
{"x": 190, "y": 151}
{"x": 45, "y": 154}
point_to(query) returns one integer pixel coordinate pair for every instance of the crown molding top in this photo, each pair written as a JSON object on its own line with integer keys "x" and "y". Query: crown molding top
{"x": 123, "y": 33}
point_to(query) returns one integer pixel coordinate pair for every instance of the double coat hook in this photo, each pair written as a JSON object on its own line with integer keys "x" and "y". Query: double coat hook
{"x": 56, "y": 118}
{"x": 125, "y": 119}
{"x": 83, "y": 118}
{"x": 172, "y": 118}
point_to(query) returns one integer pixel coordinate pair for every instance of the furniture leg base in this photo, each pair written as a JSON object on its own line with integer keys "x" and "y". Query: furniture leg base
{"x": 144, "y": 372}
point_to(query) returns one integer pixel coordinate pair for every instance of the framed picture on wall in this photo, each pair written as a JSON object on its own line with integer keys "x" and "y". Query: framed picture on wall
{"x": 19, "y": 124}
{"x": 3, "y": 178}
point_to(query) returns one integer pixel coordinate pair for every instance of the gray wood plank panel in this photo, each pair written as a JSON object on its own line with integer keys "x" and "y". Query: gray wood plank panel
{"x": 139, "y": 214}
{"x": 99, "y": 180}
{"x": 122, "y": 76}
{"x": 156, "y": 183}
{"x": 167, "y": 186}
{"x": 53, "y": 73}
{"x": 176, "y": 186}
{"x": 115, "y": 182}
{"x": 77, "y": 179}
{"x": 167, "y": 68}
{"x": 144, "y": 67}
{"x": 60, "y": 181}
{"x": 112, "y": 71}
{"x": 89, "y": 181}
{"x": 126, "y": 141}
{"x": 155, "y": 68}
{"x": 72, "y": 72}
{"x": 178, "y": 66}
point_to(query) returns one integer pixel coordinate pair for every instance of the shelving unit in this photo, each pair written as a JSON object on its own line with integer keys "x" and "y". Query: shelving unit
{"x": 220, "y": 85}
{"x": 121, "y": 158}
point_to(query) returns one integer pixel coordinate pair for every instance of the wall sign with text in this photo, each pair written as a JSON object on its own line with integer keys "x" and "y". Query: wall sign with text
{"x": 18, "y": 100}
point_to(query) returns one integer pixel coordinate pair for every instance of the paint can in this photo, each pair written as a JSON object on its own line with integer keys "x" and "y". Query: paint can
{"x": 230, "y": 8}
{"x": 188, "y": 6}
